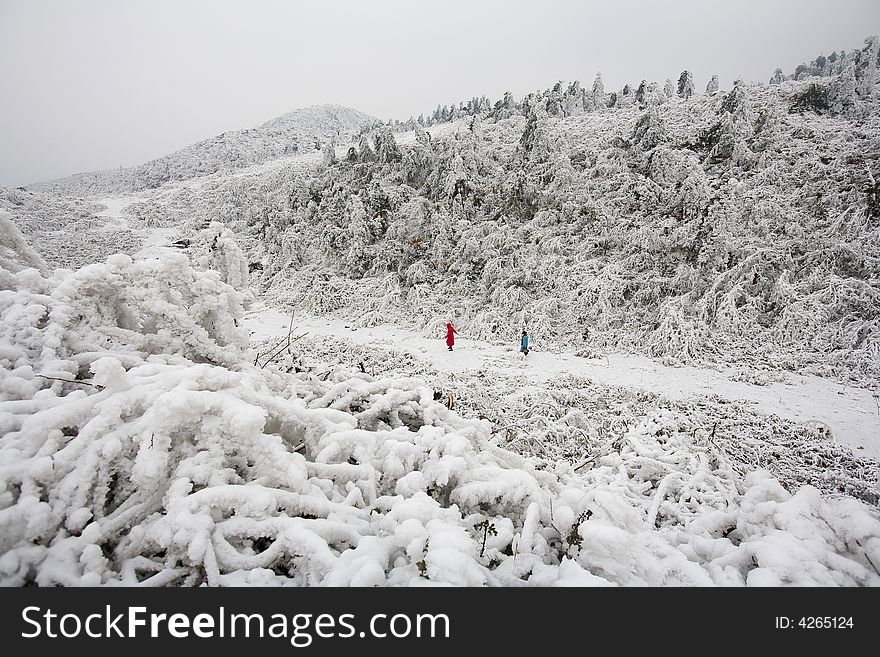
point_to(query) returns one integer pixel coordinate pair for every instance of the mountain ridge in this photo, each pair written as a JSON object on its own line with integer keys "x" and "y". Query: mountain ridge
{"x": 290, "y": 133}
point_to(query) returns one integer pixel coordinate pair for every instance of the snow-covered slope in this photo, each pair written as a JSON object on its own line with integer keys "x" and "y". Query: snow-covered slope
{"x": 296, "y": 132}
{"x": 731, "y": 226}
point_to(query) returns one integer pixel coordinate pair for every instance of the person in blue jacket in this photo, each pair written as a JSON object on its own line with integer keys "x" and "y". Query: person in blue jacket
{"x": 524, "y": 343}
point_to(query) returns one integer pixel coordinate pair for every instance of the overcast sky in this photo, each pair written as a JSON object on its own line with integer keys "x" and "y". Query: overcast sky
{"x": 97, "y": 84}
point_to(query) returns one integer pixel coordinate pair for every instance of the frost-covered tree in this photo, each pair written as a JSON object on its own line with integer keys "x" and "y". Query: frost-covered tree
{"x": 649, "y": 131}
{"x": 329, "y": 154}
{"x": 692, "y": 196}
{"x": 626, "y": 97}
{"x": 226, "y": 256}
{"x": 669, "y": 88}
{"x": 553, "y": 104}
{"x": 685, "y": 85}
{"x": 778, "y": 77}
{"x": 736, "y": 101}
{"x": 386, "y": 146}
{"x": 842, "y": 94}
{"x": 866, "y": 66}
{"x": 712, "y": 87}
{"x": 506, "y": 107}
{"x": 359, "y": 237}
{"x": 642, "y": 93}
{"x": 534, "y": 144}
{"x": 365, "y": 150}
{"x": 573, "y": 100}
{"x": 599, "y": 90}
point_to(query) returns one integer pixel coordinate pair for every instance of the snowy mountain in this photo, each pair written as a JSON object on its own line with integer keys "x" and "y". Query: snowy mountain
{"x": 225, "y": 367}
{"x": 296, "y": 132}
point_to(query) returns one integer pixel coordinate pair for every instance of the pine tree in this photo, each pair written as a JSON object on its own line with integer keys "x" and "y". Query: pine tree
{"x": 573, "y": 100}
{"x": 386, "y": 147}
{"x": 712, "y": 87}
{"x": 778, "y": 77}
{"x": 866, "y": 66}
{"x": 686, "y": 85}
{"x": 366, "y": 153}
{"x": 642, "y": 93}
{"x": 649, "y": 131}
{"x": 669, "y": 88}
{"x": 599, "y": 90}
{"x": 422, "y": 137}
{"x": 842, "y": 94}
{"x": 329, "y": 153}
{"x": 736, "y": 101}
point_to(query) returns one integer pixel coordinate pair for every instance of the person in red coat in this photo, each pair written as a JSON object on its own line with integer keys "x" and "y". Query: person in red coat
{"x": 450, "y": 335}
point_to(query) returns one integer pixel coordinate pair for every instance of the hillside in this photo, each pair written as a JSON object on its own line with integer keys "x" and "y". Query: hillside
{"x": 727, "y": 225}
{"x": 296, "y": 132}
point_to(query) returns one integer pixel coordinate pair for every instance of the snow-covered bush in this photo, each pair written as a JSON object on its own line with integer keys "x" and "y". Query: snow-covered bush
{"x": 156, "y": 306}
{"x": 138, "y": 445}
{"x": 15, "y": 252}
{"x": 226, "y": 256}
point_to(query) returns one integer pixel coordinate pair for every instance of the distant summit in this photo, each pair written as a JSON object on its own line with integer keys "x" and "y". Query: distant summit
{"x": 296, "y": 132}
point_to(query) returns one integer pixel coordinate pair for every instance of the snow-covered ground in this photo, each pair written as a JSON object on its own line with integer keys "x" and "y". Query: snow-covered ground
{"x": 114, "y": 205}
{"x": 851, "y": 414}
{"x": 141, "y": 444}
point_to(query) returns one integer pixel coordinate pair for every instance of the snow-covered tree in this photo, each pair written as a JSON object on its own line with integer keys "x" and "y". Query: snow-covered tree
{"x": 866, "y": 66}
{"x": 642, "y": 93}
{"x": 650, "y": 130}
{"x": 842, "y": 94}
{"x": 599, "y": 90}
{"x": 329, "y": 154}
{"x": 226, "y": 256}
{"x": 712, "y": 87}
{"x": 685, "y": 85}
{"x": 365, "y": 150}
{"x": 386, "y": 146}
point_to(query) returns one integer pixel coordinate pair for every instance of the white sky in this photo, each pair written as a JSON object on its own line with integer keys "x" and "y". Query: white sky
{"x": 96, "y": 84}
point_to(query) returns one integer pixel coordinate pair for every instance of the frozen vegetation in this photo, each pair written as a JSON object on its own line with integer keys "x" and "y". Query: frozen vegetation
{"x": 146, "y": 437}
